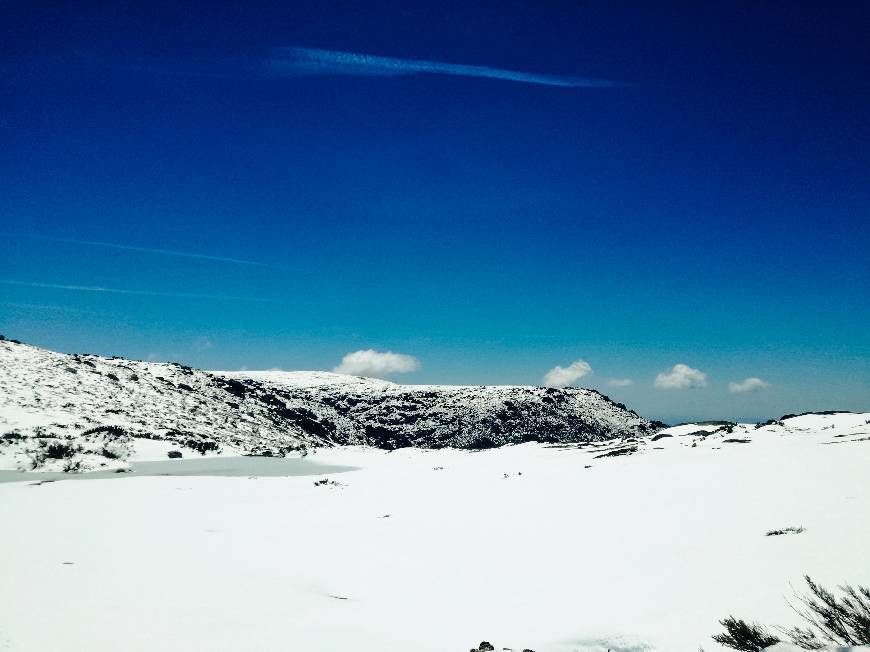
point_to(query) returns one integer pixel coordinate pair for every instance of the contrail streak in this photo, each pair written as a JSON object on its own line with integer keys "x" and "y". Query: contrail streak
{"x": 146, "y": 293}
{"x": 163, "y": 252}
{"x": 292, "y": 61}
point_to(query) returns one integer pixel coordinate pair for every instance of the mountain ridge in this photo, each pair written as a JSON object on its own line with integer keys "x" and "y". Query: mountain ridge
{"x": 93, "y": 401}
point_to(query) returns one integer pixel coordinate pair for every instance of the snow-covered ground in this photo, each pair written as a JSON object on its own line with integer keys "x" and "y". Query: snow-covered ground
{"x": 551, "y": 548}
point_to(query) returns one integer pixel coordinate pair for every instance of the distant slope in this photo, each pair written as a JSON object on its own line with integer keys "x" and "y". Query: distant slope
{"x": 844, "y": 426}
{"x": 95, "y": 401}
{"x": 388, "y": 415}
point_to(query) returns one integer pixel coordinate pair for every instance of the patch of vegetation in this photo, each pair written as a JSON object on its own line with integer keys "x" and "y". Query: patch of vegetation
{"x": 60, "y": 450}
{"x": 619, "y": 451}
{"x": 202, "y": 446}
{"x": 844, "y": 621}
{"x": 72, "y": 466}
{"x": 53, "y": 450}
{"x": 112, "y": 452}
{"x": 115, "y": 431}
{"x": 829, "y": 620}
{"x": 786, "y": 530}
{"x": 234, "y": 387}
{"x": 740, "y": 635}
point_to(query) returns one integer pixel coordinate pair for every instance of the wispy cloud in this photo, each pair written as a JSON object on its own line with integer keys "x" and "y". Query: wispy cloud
{"x": 681, "y": 376}
{"x": 620, "y": 382}
{"x": 162, "y": 252}
{"x": 379, "y": 364}
{"x": 49, "y": 307}
{"x": 293, "y": 61}
{"x": 145, "y": 293}
{"x": 202, "y": 343}
{"x": 747, "y": 385}
{"x": 566, "y": 376}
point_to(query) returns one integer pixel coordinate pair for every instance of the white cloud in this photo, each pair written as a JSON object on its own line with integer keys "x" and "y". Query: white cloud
{"x": 747, "y": 385}
{"x": 620, "y": 382}
{"x": 681, "y": 376}
{"x": 378, "y": 364}
{"x": 566, "y": 376}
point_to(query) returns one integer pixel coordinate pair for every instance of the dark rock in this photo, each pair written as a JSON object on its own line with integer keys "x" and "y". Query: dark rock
{"x": 173, "y": 455}
{"x": 234, "y": 387}
{"x": 485, "y": 646}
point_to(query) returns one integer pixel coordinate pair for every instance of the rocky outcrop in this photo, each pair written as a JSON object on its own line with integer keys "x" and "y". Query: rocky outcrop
{"x": 44, "y": 394}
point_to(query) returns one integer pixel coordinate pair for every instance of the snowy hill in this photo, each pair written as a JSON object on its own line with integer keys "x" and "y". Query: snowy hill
{"x": 389, "y": 415}
{"x": 80, "y": 412}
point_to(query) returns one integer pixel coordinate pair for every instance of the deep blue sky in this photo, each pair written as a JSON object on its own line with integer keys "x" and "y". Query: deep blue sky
{"x": 714, "y": 211}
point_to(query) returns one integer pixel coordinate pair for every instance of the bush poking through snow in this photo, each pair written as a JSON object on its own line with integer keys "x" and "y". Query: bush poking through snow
{"x": 844, "y": 622}
{"x": 114, "y": 451}
{"x": 740, "y": 635}
{"x": 52, "y": 450}
{"x": 785, "y": 530}
{"x": 72, "y": 466}
{"x": 59, "y": 450}
{"x": 115, "y": 431}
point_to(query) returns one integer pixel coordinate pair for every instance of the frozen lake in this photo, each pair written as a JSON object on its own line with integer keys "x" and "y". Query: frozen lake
{"x": 207, "y": 466}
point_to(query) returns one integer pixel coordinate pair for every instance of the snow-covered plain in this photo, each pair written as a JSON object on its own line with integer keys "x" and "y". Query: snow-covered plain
{"x": 551, "y": 548}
